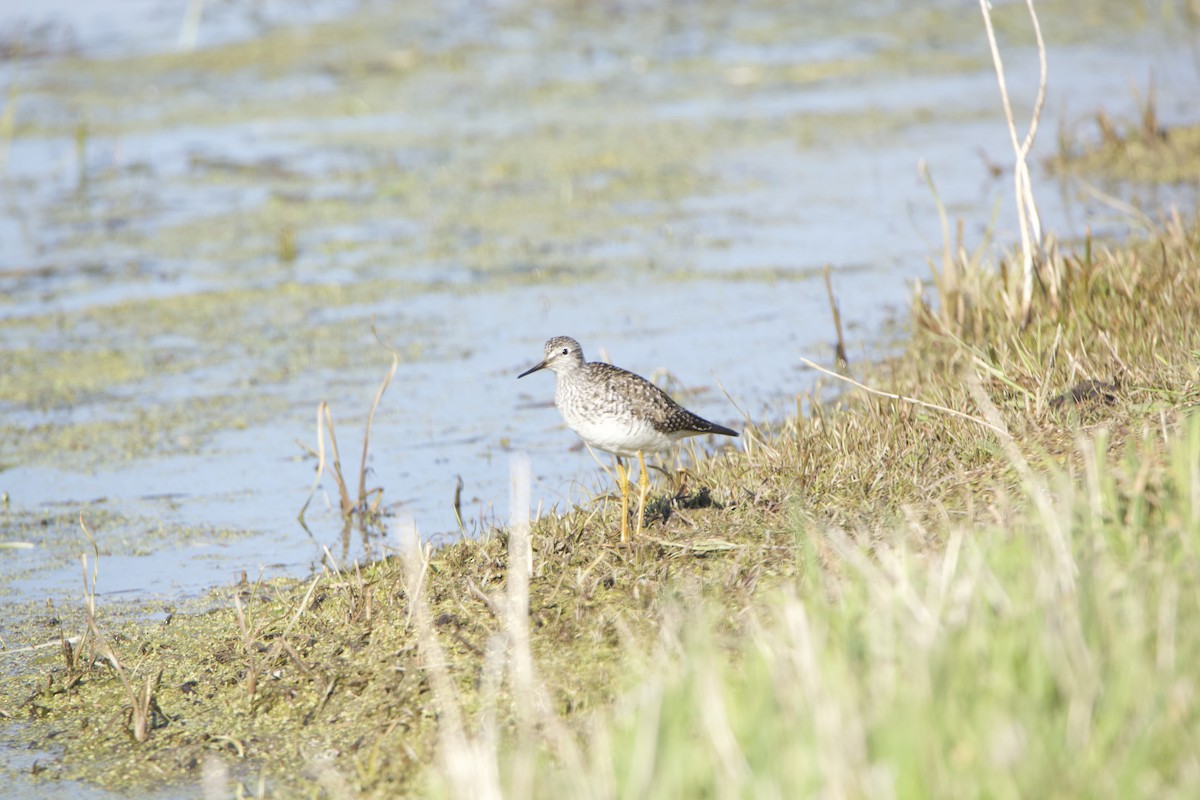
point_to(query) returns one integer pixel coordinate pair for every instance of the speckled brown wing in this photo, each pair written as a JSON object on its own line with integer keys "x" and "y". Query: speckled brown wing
{"x": 632, "y": 392}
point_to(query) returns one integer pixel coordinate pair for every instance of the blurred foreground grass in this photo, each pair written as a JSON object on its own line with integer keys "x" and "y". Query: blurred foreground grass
{"x": 1040, "y": 654}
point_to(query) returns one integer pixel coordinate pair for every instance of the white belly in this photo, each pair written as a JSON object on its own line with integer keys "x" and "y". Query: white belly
{"x": 619, "y": 438}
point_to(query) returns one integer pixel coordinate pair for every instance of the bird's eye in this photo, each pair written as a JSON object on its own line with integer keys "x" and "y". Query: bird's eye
{"x": 565, "y": 351}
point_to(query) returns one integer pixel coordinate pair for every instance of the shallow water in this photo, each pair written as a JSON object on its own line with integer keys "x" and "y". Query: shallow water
{"x": 663, "y": 184}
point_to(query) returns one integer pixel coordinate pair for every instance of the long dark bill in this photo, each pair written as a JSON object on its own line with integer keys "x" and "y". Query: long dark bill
{"x": 532, "y": 370}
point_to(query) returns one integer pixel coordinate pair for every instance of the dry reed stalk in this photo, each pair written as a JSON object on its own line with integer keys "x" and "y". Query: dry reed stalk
{"x": 1027, "y": 213}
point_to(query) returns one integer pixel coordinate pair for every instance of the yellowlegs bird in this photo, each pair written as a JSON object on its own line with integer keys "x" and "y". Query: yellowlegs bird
{"x": 618, "y": 412}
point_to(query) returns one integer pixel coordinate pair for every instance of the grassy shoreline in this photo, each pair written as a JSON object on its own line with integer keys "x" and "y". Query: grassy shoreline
{"x": 876, "y": 598}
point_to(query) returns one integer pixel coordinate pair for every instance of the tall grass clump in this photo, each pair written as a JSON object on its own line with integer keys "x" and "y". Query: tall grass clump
{"x": 971, "y": 670}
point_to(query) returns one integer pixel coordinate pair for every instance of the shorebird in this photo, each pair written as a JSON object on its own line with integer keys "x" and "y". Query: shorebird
{"x": 618, "y": 412}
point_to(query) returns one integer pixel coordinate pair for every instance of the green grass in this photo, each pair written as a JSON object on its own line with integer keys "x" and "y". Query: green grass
{"x": 988, "y": 666}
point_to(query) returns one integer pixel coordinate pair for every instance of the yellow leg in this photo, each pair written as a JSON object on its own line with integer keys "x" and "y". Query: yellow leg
{"x": 623, "y": 483}
{"x": 643, "y": 491}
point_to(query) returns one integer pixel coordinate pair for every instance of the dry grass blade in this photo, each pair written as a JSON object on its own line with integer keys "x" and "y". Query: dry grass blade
{"x": 143, "y": 706}
{"x": 247, "y": 645}
{"x": 902, "y": 398}
{"x": 343, "y": 492}
{"x": 458, "y": 490}
{"x": 349, "y": 506}
{"x": 520, "y": 565}
{"x": 362, "y": 468}
{"x": 92, "y": 631}
{"x": 843, "y": 360}
{"x": 142, "y": 702}
{"x": 312, "y": 587}
{"x": 1125, "y": 209}
{"x": 735, "y": 771}
{"x": 698, "y": 546}
{"x": 534, "y": 705}
{"x": 470, "y": 772}
{"x": 1035, "y": 487}
{"x": 322, "y": 411}
{"x": 947, "y": 272}
{"x": 72, "y": 641}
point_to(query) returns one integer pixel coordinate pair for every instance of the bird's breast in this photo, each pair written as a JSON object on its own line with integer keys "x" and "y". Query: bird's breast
{"x": 608, "y": 426}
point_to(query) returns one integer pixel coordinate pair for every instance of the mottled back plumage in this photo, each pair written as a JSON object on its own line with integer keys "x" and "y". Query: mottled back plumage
{"x": 613, "y": 409}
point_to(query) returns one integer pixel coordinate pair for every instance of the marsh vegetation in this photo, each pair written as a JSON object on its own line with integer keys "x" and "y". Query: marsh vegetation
{"x": 978, "y": 578}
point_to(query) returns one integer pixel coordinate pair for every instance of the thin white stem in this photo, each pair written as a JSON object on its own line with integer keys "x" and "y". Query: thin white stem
{"x": 890, "y": 395}
{"x": 1027, "y": 214}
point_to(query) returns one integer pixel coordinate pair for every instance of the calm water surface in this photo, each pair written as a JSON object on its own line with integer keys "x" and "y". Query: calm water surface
{"x": 208, "y": 228}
